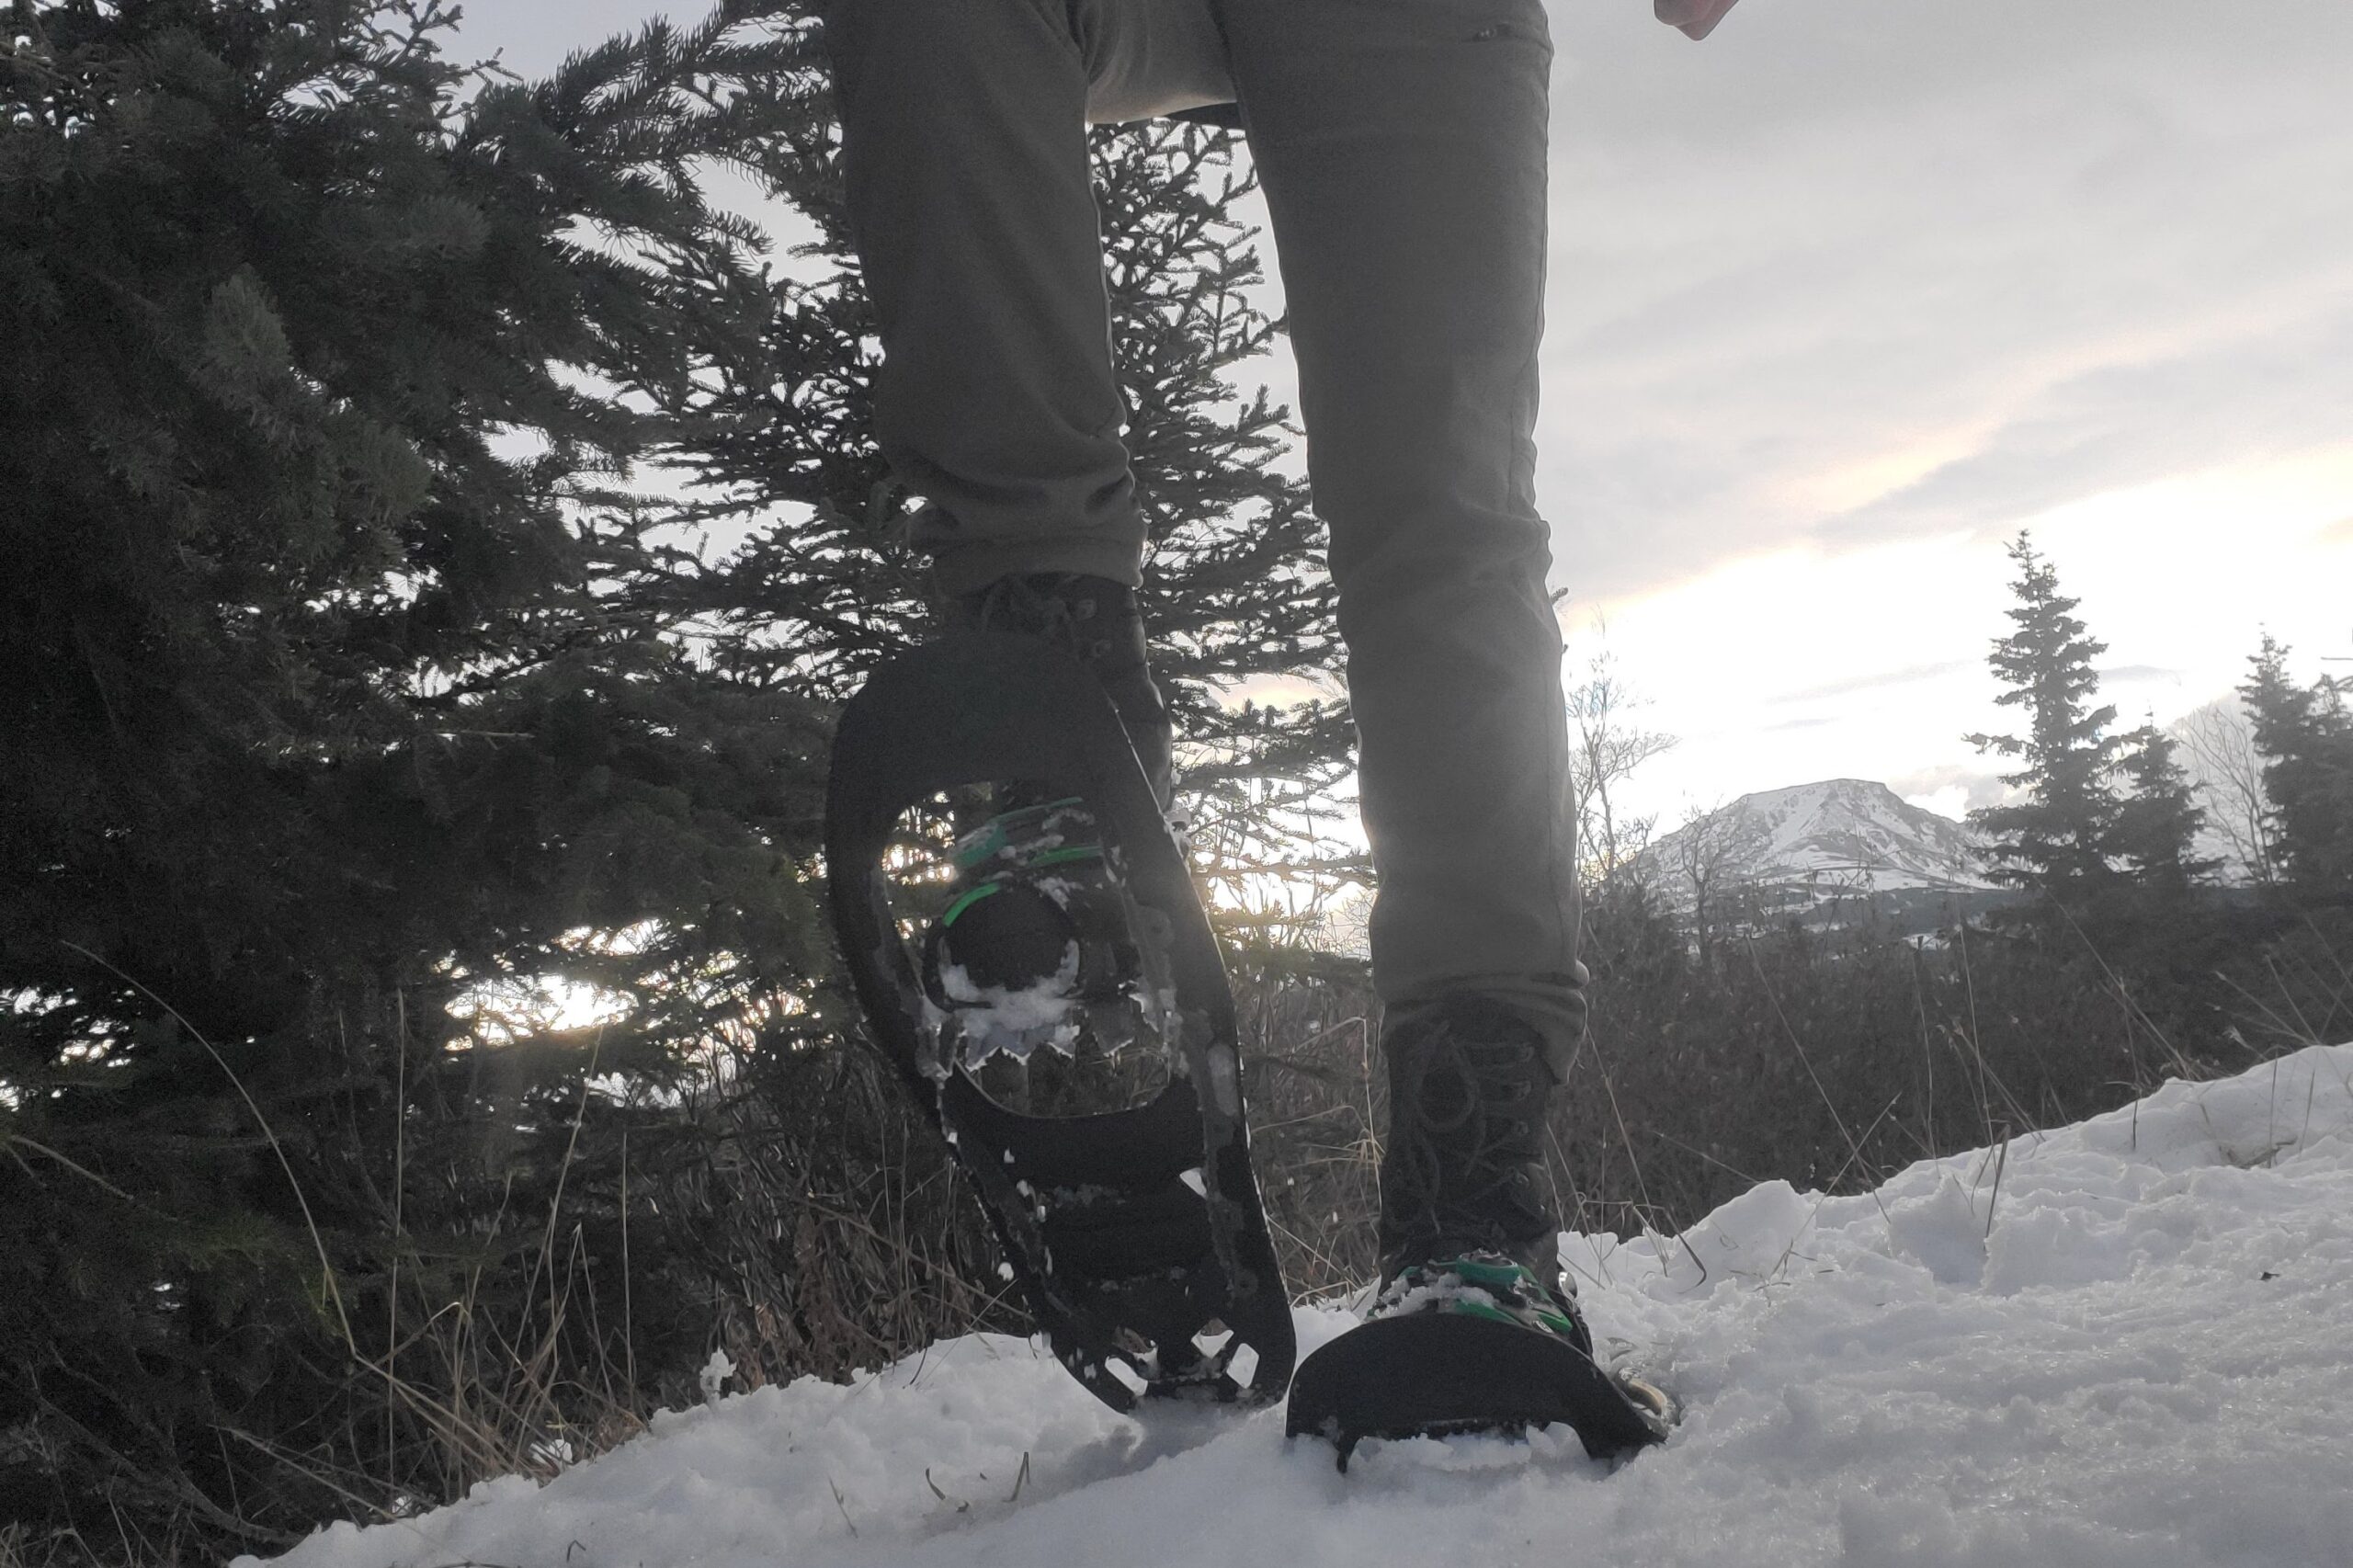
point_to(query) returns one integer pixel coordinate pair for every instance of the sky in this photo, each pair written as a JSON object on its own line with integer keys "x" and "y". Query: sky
{"x": 1848, "y": 294}
{"x": 1845, "y": 297}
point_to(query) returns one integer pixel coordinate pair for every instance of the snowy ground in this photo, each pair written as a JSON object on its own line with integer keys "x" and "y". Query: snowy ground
{"x": 2135, "y": 1349}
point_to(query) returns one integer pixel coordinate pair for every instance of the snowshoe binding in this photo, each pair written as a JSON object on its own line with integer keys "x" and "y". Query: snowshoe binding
{"x": 1035, "y": 946}
{"x": 1070, "y": 955}
{"x": 1472, "y": 1345}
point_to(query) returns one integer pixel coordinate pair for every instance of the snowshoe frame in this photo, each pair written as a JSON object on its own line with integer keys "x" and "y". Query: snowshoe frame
{"x": 1138, "y": 1235}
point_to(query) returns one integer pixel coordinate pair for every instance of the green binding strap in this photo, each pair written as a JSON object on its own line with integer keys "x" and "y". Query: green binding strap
{"x": 967, "y": 900}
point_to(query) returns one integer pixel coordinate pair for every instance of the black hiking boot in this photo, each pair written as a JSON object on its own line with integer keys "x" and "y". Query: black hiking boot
{"x": 1475, "y": 1329}
{"x": 1095, "y": 621}
{"x": 1130, "y": 1219}
{"x": 1463, "y": 1171}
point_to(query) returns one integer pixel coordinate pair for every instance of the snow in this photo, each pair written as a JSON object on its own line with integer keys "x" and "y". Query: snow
{"x": 2126, "y": 1343}
{"x": 995, "y": 1018}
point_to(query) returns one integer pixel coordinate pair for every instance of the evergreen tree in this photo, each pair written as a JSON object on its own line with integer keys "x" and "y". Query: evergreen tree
{"x": 2306, "y": 735}
{"x": 328, "y": 711}
{"x": 2158, "y": 821}
{"x": 2059, "y": 838}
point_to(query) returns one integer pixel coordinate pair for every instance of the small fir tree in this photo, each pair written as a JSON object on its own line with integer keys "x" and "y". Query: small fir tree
{"x": 2059, "y": 838}
{"x": 2158, "y": 821}
{"x": 2306, "y": 736}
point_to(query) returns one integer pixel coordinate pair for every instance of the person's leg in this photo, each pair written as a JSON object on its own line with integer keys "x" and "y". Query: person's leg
{"x": 1402, "y": 145}
{"x": 964, "y": 149}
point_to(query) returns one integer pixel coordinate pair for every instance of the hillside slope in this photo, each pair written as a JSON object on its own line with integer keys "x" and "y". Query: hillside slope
{"x": 2126, "y": 1343}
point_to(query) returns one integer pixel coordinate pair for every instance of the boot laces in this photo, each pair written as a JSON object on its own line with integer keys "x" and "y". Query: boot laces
{"x": 1465, "y": 1115}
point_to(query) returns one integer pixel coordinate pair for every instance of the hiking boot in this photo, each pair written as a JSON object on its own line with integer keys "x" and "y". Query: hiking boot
{"x": 1095, "y": 620}
{"x": 1474, "y": 1342}
{"x": 1463, "y": 1171}
{"x": 1036, "y": 947}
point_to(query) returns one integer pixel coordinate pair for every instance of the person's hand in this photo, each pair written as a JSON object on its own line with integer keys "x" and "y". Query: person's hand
{"x": 1698, "y": 18}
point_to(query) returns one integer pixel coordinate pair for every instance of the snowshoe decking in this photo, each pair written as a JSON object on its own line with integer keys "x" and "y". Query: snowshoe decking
{"x": 1136, "y": 1234}
{"x": 1470, "y": 1345}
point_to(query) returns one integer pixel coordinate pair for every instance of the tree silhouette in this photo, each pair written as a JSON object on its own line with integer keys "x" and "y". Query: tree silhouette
{"x": 2058, "y": 838}
{"x": 2306, "y": 735}
{"x": 2158, "y": 821}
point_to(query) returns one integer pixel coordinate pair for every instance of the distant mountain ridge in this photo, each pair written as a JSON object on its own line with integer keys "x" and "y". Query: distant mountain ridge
{"x": 1811, "y": 843}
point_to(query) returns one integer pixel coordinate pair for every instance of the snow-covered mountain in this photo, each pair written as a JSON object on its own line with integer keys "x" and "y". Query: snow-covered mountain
{"x": 2120, "y": 1343}
{"x": 1813, "y": 843}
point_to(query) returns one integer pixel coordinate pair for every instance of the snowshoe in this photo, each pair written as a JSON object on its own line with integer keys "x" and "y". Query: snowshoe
{"x": 1472, "y": 1344}
{"x": 1071, "y": 933}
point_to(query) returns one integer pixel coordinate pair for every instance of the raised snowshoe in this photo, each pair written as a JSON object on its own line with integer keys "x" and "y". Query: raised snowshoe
{"x": 1070, "y": 937}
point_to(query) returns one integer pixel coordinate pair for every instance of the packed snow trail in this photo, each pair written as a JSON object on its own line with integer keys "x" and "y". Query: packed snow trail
{"x": 2127, "y": 1344}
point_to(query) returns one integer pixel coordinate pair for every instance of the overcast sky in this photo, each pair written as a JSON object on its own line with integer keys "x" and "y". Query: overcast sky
{"x": 1845, "y": 296}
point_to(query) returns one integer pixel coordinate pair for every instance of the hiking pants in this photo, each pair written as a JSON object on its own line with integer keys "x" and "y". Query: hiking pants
{"x": 1400, "y": 145}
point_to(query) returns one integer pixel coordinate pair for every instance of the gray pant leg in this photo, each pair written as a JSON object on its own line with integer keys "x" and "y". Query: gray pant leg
{"x": 964, "y": 153}
{"x": 1402, "y": 146}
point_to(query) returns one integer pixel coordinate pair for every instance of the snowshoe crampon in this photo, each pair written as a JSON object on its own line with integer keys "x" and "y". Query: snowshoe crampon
{"x": 1471, "y": 1361}
{"x": 1068, "y": 929}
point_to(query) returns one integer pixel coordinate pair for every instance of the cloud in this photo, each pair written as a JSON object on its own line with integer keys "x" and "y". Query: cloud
{"x": 1971, "y": 787}
{"x": 1842, "y": 296}
{"x": 2249, "y": 397}
{"x": 1856, "y": 272}
{"x": 1878, "y": 680}
{"x": 1853, "y": 273}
